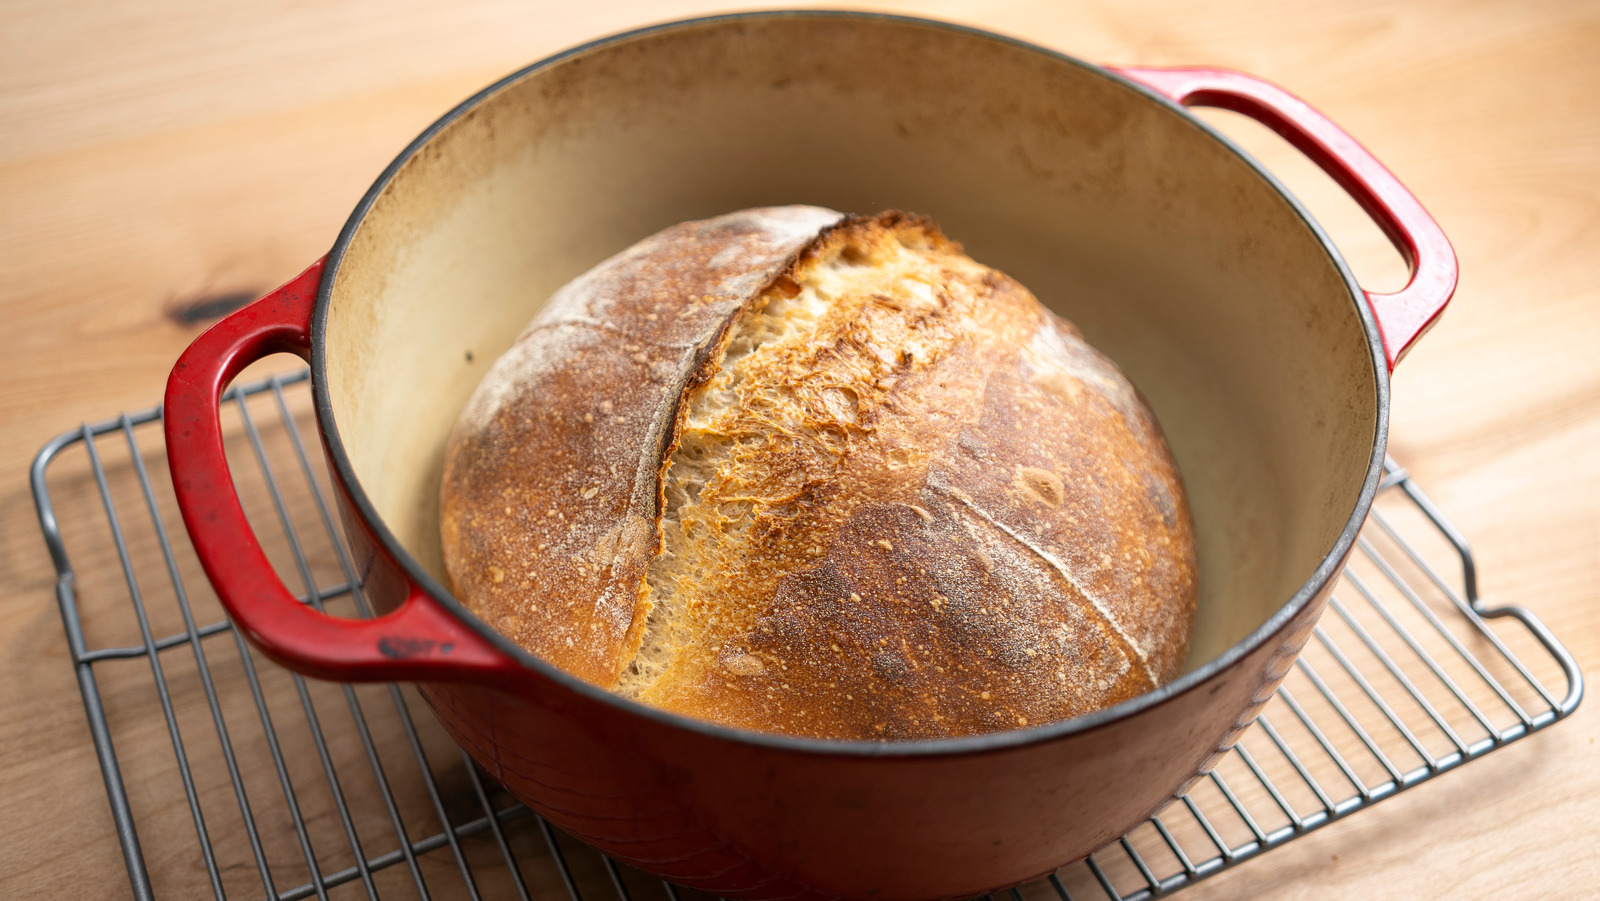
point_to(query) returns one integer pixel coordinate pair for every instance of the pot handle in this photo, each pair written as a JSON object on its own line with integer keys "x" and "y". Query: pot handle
{"x": 417, "y": 641}
{"x": 1403, "y": 316}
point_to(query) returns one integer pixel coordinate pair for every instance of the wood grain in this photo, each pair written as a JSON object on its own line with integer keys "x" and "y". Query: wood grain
{"x": 160, "y": 155}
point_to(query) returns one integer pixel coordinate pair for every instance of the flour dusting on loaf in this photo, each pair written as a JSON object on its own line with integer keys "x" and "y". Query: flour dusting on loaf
{"x": 799, "y": 472}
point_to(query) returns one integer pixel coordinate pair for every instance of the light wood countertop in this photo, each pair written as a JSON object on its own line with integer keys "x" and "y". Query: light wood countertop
{"x": 160, "y": 155}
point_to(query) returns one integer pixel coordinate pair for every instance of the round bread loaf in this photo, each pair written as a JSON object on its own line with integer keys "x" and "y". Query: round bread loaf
{"x": 801, "y": 472}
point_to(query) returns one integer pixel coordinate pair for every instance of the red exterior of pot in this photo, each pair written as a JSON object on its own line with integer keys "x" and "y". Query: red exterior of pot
{"x": 746, "y": 821}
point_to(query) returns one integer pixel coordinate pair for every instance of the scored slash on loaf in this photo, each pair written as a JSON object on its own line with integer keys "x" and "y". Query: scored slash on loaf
{"x": 825, "y": 475}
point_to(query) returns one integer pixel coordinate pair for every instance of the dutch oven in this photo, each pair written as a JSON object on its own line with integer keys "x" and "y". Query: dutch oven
{"x": 1174, "y": 252}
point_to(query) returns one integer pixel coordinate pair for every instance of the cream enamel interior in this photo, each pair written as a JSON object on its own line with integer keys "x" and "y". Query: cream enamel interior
{"x": 1172, "y": 254}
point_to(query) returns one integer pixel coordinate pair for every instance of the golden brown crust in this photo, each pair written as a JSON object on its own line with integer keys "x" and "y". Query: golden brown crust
{"x": 924, "y": 507}
{"x": 548, "y": 501}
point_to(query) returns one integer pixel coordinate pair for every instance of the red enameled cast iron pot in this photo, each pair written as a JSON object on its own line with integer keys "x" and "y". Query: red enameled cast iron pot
{"x": 1176, "y": 254}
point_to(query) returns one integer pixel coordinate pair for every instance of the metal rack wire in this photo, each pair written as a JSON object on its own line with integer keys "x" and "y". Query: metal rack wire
{"x": 289, "y": 789}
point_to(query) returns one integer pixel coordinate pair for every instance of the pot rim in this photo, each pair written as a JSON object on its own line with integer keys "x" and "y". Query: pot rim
{"x": 1331, "y": 563}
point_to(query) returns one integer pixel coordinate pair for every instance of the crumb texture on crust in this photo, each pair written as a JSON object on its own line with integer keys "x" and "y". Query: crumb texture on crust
{"x": 797, "y": 472}
{"x": 910, "y": 502}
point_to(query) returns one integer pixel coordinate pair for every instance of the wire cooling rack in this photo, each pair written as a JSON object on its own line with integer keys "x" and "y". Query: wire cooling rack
{"x": 228, "y": 775}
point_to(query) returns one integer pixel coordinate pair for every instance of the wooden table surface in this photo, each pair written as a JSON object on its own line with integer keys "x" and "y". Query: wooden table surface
{"x": 162, "y": 158}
